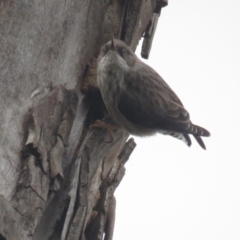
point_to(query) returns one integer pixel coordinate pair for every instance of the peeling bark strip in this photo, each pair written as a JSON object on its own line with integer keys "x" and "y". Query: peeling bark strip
{"x": 10, "y": 222}
{"x": 44, "y": 145}
{"x": 57, "y": 174}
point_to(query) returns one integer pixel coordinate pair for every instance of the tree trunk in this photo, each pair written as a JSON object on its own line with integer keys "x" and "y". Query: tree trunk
{"x": 57, "y": 173}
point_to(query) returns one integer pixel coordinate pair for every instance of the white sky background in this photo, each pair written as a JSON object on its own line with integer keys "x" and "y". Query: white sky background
{"x": 170, "y": 191}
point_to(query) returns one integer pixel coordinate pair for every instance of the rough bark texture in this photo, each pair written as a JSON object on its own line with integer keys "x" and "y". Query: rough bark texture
{"x": 57, "y": 174}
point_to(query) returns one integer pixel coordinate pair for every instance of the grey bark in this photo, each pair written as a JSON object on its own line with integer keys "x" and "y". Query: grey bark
{"x": 57, "y": 174}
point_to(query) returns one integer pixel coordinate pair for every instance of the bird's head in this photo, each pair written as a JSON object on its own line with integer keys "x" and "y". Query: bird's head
{"x": 117, "y": 48}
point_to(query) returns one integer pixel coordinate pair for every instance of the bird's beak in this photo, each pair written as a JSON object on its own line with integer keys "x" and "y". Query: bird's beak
{"x": 113, "y": 44}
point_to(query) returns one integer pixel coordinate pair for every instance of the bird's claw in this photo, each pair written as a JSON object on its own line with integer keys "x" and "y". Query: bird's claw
{"x": 108, "y": 127}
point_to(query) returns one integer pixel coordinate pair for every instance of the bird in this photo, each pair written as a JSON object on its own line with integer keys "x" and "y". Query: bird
{"x": 138, "y": 99}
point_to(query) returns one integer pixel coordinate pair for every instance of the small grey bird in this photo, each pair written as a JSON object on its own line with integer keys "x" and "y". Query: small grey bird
{"x": 138, "y": 99}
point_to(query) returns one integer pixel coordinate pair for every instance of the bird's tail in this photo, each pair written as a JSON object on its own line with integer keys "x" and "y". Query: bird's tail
{"x": 197, "y": 132}
{"x": 183, "y": 137}
{"x": 200, "y": 141}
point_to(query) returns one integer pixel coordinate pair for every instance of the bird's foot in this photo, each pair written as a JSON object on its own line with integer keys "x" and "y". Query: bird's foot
{"x": 109, "y": 127}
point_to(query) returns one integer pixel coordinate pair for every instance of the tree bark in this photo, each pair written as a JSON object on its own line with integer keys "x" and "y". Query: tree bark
{"x": 57, "y": 173}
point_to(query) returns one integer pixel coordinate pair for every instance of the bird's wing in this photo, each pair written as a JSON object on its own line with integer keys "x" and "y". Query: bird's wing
{"x": 149, "y": 102}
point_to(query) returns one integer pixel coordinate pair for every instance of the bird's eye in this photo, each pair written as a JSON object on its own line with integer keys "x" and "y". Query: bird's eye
{"x": 104, "y": 49}
{"x": 124, "y": 51}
